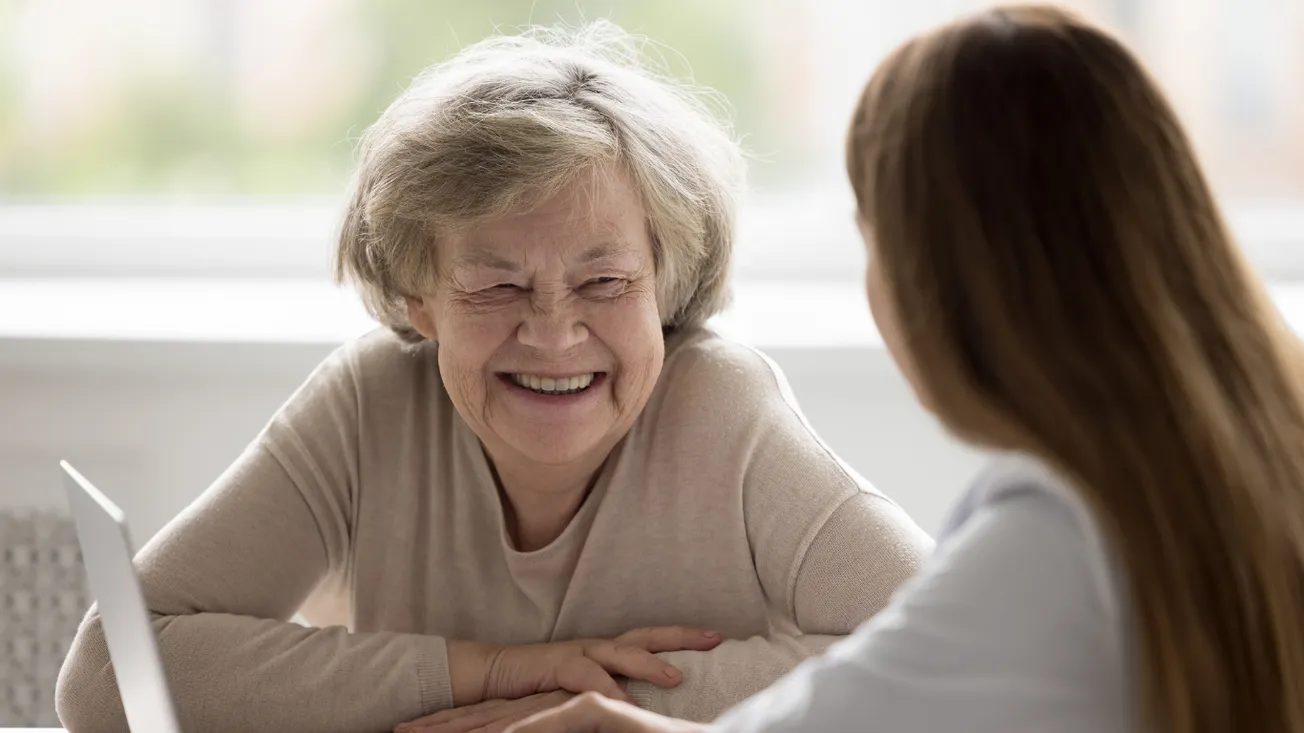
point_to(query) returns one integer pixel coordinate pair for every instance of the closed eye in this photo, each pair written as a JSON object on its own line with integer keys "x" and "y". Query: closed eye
{"x": 500, "y": 293}
{"x": 604, "y": 287}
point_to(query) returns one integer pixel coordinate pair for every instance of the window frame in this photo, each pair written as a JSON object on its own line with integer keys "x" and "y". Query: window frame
{"x": 798, "y": 236}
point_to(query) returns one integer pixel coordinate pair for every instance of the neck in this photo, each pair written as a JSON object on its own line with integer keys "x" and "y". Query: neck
{"x": 539, "y": 502}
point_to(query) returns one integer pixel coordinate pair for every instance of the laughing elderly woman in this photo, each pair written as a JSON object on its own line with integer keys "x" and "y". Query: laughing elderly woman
{"x": 545, "y": 476}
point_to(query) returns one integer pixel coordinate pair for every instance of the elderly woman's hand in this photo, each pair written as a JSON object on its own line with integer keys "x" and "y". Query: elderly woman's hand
{"x": 488, "y": 672}
{"x": 595, "y": 714}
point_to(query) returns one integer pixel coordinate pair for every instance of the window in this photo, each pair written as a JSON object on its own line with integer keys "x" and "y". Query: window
{"x": 215, "y": 136}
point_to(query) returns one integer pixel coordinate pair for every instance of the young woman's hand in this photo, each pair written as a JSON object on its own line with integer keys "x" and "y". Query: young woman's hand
{"x": 590, "y": 713}
{"x": 491, "y": 716}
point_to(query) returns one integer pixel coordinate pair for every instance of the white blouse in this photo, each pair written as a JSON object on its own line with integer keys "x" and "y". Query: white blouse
{"x": 1018, "y": 624}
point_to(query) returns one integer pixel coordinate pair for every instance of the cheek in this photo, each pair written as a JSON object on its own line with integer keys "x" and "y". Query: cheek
{"x": 632, "y": 330}
{"x": 887, "y": 319}
{"x": 884, "y": 313}
{"x": 467, "y": 345}
{"x": 874, "y": 294}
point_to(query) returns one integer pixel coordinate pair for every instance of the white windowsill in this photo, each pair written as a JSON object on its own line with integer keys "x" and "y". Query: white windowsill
{"x": 801, "y": 234}
{"x": 785, "y": 314}
{"x": 290, "y": 311}
{"x": 155, "y": 331}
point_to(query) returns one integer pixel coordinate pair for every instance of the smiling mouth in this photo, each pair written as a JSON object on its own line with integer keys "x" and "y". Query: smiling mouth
{"x": 554, "y": 385}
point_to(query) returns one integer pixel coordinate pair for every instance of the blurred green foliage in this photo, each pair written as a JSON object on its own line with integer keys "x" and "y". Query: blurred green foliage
{"x": 181, "y": 134}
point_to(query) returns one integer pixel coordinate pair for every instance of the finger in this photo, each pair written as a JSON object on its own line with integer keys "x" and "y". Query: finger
{"x": 521, "y": 709}
{"x": 444, "y": 716}
{"x": 671, "y": 639}
{"x": 539, "y": 703}
{"x": 585, "y": 714}
{"x": 634, "y": 663}
{"x": 581, "y": 674}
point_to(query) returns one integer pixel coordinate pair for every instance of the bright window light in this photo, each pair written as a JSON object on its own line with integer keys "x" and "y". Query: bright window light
{"x": 214, "y": 137}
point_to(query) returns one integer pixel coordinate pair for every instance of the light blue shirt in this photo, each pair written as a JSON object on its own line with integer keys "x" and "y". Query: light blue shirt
{"x": 1017, "y": 624}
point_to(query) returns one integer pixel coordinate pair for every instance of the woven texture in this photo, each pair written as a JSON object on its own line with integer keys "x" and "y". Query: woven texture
{"x": 43, "y": 596}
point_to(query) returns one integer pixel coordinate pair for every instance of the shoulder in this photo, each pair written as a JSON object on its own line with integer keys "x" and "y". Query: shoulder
{"x": 372, "y": 396}
{"x": 723, "y": 393}
{"x": 1016, "y": 477}
{"x": 1004, "y": 628}
{"x": 718, "y": 392}
{"x": 376, "y": 362}
{"x": 1028, "y": 502}
{"x": 739, "y": 393}
{"x": 709, "y": 372}
{"x": 381, "y": 356}
{"x": 376, "y": 371}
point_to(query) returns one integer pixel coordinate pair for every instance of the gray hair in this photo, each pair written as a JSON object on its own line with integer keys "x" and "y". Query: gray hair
{"x": 510, "y": 121}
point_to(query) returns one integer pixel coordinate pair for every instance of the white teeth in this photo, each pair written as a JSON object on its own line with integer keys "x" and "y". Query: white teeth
{"x": 554, "y": 385}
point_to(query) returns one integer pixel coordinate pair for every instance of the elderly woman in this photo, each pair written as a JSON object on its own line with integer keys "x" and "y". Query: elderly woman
{"x": 545, "y": 476}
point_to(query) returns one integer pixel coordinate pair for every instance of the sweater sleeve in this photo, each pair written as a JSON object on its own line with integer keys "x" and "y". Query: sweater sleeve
{"x": 1005, "y": 629}
{"x": 829, "y": 552}
{"x": 225, "y": 577}
{"x": 861, "y": 554}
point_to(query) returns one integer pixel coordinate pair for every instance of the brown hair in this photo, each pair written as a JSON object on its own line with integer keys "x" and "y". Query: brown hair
{"x": 1066, "y": 286}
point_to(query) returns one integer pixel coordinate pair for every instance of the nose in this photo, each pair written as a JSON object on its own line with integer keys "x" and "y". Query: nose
{"x": 552, "y": 326}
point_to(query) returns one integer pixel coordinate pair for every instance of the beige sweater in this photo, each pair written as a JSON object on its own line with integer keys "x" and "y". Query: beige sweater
{"x": 368, "y": 506}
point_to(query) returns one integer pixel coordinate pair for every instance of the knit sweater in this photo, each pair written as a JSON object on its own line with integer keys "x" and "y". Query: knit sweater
{"x": 368, "y": 507}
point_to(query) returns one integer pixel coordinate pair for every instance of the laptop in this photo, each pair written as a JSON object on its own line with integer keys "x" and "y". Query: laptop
{"x": 133, "y": 646}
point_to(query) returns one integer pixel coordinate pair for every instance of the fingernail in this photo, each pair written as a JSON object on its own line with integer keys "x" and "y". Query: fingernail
{"x": 671, "y": 674}
{"x": 712, "y": 635}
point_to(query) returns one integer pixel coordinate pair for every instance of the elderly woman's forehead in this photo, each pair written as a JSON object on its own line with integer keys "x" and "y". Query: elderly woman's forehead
{"x": 583, "y": 229}
{"x": 508, "y": 258}
{"x": 585, "y": 239}
{"x": 606, "y": 211}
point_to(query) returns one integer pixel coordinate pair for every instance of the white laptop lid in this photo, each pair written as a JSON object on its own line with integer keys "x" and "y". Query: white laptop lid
{"x": 133, "y": 646}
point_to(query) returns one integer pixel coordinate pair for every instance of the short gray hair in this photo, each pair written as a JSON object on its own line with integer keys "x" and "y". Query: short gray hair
{"x": 510, "y": 121}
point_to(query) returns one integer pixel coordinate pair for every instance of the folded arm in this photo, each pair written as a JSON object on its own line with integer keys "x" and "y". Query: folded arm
{"x": 225, "y": 577}
{"x": 860, "y": 555}
{"x": 222, "y": 581}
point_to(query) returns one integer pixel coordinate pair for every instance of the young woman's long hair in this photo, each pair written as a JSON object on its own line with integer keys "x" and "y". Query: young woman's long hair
{"x": 1066, "y": 285}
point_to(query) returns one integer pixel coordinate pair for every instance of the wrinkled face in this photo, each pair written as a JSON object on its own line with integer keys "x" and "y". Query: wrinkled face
{"x": 548, "y": 327}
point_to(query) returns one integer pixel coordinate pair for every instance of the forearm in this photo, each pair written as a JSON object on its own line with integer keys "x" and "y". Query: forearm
{"x": 230, "y": 672}
{"x": 717, "y": 680}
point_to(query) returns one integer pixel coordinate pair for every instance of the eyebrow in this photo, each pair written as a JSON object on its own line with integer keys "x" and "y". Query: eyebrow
{"x": 604, "y": 251}
{"x": 487, "y": 259}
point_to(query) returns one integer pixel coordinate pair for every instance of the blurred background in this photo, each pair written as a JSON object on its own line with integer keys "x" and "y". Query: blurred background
{"x": 171, "y": 173}
{"x": 249, "y": 111}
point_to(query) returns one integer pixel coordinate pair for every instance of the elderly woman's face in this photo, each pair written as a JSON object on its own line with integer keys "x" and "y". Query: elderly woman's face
{"x": 549, "y": 333}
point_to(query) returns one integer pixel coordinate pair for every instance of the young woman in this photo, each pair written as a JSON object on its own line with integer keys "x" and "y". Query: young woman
{"x": 1049, "y": 268}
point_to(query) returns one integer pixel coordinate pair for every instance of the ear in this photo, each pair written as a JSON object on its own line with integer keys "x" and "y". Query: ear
{"x": 418, "y": 312}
